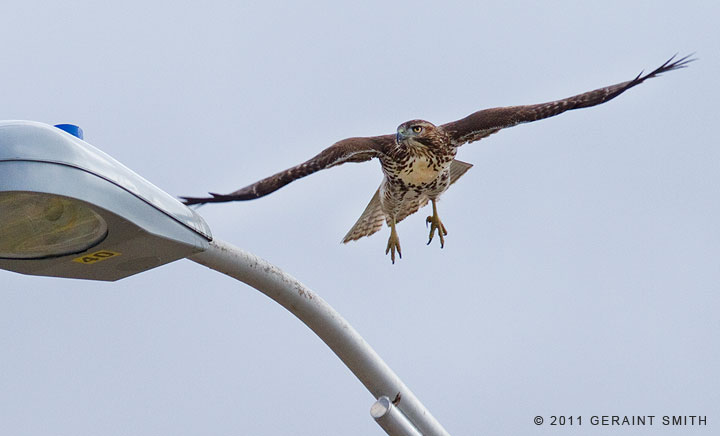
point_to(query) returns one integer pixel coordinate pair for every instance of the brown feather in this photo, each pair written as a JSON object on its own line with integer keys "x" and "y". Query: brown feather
{"x": 347, "y": 150}
{"x": 369, "y": 222}
{"x": 486, "y": 122}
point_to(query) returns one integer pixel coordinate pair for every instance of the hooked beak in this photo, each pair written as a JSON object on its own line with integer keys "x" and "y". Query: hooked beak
{"x": 399, "y": 136}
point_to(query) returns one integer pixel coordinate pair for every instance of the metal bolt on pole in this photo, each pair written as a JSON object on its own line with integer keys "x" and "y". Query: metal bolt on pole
{"x": 391, "y": 419}
{"x": 408, "y": 416}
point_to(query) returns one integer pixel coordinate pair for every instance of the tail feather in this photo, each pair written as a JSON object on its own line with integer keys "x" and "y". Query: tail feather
{"x": 369, "y": 222}
{"x": 457, "y": 169}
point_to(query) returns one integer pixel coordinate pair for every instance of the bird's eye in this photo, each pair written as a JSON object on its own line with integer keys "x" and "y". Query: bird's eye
{"x": 417, "y": 129}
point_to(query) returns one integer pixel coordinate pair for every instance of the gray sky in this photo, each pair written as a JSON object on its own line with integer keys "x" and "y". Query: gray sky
{"x": 580, "y": 276}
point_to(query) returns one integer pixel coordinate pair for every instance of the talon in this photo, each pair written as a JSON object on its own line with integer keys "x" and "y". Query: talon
{"x": 436, "y": 224}
{"x": 393, "y": 244}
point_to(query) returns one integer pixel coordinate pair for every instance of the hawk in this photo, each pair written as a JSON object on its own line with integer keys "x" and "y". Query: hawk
{"x": 418, "y": 161}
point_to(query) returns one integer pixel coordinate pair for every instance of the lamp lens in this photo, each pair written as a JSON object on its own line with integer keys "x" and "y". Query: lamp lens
{"x": 35, "y": 225}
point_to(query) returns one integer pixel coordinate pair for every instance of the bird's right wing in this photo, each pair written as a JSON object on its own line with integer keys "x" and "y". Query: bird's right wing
{"x": 347, "y": 150}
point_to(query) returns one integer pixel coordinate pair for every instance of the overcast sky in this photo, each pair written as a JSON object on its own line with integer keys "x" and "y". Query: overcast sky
{"x": 580, "y": 275}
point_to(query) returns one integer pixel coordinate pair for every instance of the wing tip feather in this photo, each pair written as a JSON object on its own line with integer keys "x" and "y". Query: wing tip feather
{"x": 669, "y": 65}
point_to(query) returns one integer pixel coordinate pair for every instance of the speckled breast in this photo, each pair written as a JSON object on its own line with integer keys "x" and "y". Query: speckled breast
{"x": 420, "y": 171}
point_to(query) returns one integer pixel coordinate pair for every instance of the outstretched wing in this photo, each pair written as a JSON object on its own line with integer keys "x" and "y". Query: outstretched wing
{"x": 347, "y": 150}
{"x": 486, "y": 122}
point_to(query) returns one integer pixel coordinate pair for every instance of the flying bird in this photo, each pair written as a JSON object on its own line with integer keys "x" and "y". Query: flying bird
{"x": 418, "y": 161}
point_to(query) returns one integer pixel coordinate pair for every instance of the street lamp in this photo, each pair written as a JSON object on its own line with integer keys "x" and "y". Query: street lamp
{"x": 69, "y": 210}
{"x": 66, "y": 208}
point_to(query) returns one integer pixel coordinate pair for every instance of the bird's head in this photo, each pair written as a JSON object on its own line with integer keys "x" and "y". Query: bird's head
{"x": 418, "y": 132}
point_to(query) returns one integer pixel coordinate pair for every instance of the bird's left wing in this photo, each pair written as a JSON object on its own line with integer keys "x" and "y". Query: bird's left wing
{"x": 486, "y": 122}
{"x": 347, "y": 150}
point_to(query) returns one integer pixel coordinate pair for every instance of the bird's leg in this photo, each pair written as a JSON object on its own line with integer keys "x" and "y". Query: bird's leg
{"x": 436, "y": 224}
{"x": 393, "y": 242}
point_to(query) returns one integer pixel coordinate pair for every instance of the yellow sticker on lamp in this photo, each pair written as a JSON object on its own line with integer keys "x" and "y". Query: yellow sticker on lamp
{"x": 95, "y": 257}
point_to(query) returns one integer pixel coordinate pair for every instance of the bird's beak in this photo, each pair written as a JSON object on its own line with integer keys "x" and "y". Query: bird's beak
{"x": 399, "y": 136}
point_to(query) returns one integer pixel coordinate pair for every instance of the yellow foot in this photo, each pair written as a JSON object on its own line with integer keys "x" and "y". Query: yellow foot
{"x": 436, "y": 224}
{"x": 393, "y": 244}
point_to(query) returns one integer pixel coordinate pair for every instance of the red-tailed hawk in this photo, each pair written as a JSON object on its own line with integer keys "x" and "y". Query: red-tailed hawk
{"x": 418, "y": 161}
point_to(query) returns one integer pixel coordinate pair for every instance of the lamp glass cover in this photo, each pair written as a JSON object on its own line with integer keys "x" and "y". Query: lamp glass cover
{"x": 36, "y": 225}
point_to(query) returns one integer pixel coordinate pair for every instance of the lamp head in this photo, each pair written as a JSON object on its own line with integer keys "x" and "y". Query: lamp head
{"x": 69, "y": 210}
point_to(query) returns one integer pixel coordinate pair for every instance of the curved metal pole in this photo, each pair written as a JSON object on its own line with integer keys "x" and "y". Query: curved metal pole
{"x": 332, "y": 328}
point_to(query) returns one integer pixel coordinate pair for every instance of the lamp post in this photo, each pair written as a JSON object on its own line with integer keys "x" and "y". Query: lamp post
{"x": 69, "y": 210}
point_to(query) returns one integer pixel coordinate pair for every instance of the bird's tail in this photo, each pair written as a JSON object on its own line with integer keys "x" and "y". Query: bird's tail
{"x": 369, "y": 222}
{"x": 457, "y": 169}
